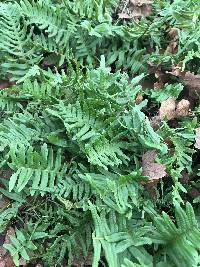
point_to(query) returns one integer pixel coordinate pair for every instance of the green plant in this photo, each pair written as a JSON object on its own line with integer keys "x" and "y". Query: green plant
{"x": 75, "y": 125}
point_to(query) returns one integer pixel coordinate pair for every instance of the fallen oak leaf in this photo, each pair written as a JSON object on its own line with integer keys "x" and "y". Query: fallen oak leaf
{"x": 150, "y": 168}
{"x": 197, "y": 138}
{"x": 191, "y": 80}
{"x": 192, "y": 83}
{"x": 6, "y": 84}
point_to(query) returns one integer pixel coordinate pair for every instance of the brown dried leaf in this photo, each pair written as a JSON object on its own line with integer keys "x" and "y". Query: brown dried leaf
{"x": 9, "y": 261}
{"x": 172, "y": 47}
{"x": 191, "y": 79}
{"x": 22, "y": 262}
{"x": 146, "y": 10}
{"x": 141, "y": 2}
{"x": 140, "y": 11}
{"x": 10, "y": 232}
{"x": 192, "y": 82}
{"x": 167, "y": 109}
{"x": 138, "y": 99}
{"x": 5, "y": 84}
{"x": 129, "y": 9}
{"x": 197, "y": 138}
{"x": 182, "y": 108}
{"x": 173, "y": 33}
{"x": 153, "y": 170}
{"x": 6, "y": 259}
{"x": 177, "y": 70}
{"x": 158, "y": 85}
{"x": 2, "y": 257}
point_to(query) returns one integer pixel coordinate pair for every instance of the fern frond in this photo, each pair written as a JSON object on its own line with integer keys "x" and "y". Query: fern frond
{"x": 8, "y": 102}
{"x": 75, "y": 238}
{"x": 99, "y": 241}
{"x": 104, "y": 153}
{"x": 13, "y": 38}
{"x": 141, "y": 130}
{"x": 8, "y": 214}
{"x": 120, "y": 197}
{"x": 87, "y": 131}
{"x": 15, "y": 41}
{"x": 78, "y": 122}
{"x": 99, "y": 9}
{"x": 20, "y": 245}
{"x": 39, "y": 90}
{"x": 128, "y": 263}
{"x": 12, "y": 132}
{"x": 42, "y": 168}
{"x": 181, "y": 241}
{"x": 48, "y": 19}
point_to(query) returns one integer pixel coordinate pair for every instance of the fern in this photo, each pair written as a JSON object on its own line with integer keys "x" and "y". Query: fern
{"x": 48, "y": 19}
{"x": 11, "y": 133}
{"x": 41, "y": 168}
{"x": 19, "y": 246}
{"x": 39, "y": 91}
{"x": 85, "y": 128}
{"x": 182, "y": 240}
{"x": 75, "y": 125}
{"x": 8, "y": 214}
{"x": 14, "y": 42}
{"x": 9, "y": 103}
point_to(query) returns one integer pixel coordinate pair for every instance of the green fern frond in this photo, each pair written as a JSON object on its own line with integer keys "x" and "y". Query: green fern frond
{"x": 20, "y": 245}
{"x": 87, "y": 131}
{"x": 141, "y": 130}
{"x": 99, "y": 241}
{"x": 13, "y": 38}
{"x": 104, "y": 153}
{"x": 181, "y": 241}
{"x": 15, "y": 41}
{"x": 8, "y": 214}
{"x": 80, "y": 123}
{"x": 9, "y": 102}
{"x": 12, "y": 132}
{"x": 43, "y": 169}
{"x": 45, "y": 17}
{"x": 39, "y": 90}
{"x": 128, "y": 263}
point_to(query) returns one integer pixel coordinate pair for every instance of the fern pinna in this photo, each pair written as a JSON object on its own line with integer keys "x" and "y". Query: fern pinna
{"x": 73, "y": 133}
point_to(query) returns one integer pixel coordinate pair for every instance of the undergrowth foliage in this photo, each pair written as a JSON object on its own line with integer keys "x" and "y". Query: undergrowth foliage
{"x": 72, "y": 136}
